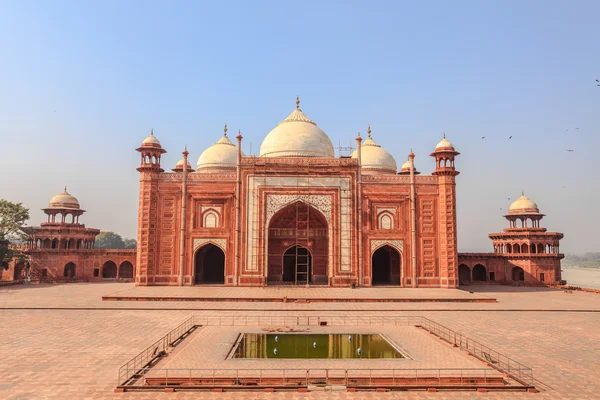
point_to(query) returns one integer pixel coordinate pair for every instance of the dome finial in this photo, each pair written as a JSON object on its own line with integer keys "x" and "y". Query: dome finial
{"x": 152, "y": 132}
{"x": 225, "y": 130}
{"x": 522, "y": 192}
{"x": 297, "y": 102}
{"x": 444, "y": 135}
{"x": 65, "y": 188}
{"x": 358, "y": 135}
{"x": 369, "y": 130}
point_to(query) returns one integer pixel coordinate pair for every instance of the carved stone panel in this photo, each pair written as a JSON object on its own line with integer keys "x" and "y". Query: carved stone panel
{"x": 377, "y": 243}
{"x": 220, "y": 242}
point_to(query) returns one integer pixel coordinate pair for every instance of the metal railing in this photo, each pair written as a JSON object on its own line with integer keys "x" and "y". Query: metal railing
{"x": 356, "y": 377}
{"x": 498, "y": 362}
{"x": 138, "y": 365}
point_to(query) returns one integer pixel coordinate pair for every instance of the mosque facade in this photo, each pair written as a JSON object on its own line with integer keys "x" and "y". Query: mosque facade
{"x": 298, "y": 215}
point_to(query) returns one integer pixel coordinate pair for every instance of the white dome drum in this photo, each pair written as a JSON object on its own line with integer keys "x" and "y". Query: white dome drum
{"x": 222, "y": 154}
{"x": 373, "y": 158}
{"x": 297, "y": 136}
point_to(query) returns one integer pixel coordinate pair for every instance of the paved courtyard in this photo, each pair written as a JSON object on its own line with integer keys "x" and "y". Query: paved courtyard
{"x": 64, "y": 342}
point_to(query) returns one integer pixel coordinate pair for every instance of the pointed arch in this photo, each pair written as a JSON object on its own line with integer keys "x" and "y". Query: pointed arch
{"x": 385, "y": 220}
{"x": 209, "y": 264}
{"x": 210, "y": 219}
{"x": 109, "y": 270}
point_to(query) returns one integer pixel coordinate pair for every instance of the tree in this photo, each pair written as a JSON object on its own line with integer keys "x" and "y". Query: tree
{"x": 130, "y": 243}
{"x": 109, "y": 240}
{"x": 12, "y": 220}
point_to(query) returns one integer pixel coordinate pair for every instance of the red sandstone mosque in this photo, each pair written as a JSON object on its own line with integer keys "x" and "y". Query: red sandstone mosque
{"x": 298, "y": 215}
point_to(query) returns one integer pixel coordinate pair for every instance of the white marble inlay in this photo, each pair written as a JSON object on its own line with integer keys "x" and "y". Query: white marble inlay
{"x": 377, "y": 243}
{"x": 220, "y": 242}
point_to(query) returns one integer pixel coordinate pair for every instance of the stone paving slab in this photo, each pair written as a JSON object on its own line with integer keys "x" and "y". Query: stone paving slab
{"x": 75, "y": 354}
{"x": 89, "y": 295}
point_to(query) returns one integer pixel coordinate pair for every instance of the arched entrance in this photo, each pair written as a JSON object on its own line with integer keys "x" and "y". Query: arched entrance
{"x": 210, "y": 265}
{"x": 464, "y": 274}
{"x": 518, "y": 274}
{"x": 109, "y": 270}
{"x": 69, "y": 271}
{"x": 385, "y": 266}
{"x": 297, "y": 265}
{"x": 20, "y": 271}
{"x": 298, "y": 246}
{"x": 479, "y": 273}
{"x": 126, "y": 270}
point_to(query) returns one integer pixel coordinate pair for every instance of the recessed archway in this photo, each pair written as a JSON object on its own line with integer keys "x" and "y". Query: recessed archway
{"x": 209, "y": 265}
{"x": 479, "y": 273}
{"x": 126, "y": 270}
{"x": 20, "y": 271}
{"x": 69, "y": 270}
{"x": 518, "y": 274}
{"x": 109, "y": 270}
{"x": 298, "y": 224}
{"x": 385, "y": 266}
{"x": 464, "y": 274}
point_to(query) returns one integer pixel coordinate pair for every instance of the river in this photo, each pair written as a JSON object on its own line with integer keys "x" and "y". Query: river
{"x": 583, "y": 277}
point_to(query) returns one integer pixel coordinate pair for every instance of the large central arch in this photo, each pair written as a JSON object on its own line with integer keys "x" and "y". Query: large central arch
{"x": 385, "y": 266}
{"x": 209, "y": 265}
{"x": 298, "y": 236}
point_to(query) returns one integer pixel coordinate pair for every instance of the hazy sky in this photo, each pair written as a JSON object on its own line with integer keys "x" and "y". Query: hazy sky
{"x": 82, "y": 83}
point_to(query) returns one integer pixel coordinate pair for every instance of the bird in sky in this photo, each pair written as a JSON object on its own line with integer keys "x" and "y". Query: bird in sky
{"x": 509, "y": 198}
{"x": 510, "y": 137}
{"x": 483, "y": 137}
{"x": 576, "y": 128}
{"x": 598, "y": 82}
{"x": 570, "y": 149}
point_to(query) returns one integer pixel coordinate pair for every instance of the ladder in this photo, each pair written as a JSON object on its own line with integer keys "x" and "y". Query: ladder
{"x": 302, "y": 236}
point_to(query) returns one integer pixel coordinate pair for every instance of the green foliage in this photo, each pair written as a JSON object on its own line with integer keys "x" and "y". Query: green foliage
{"x": 111, "y": 240}
{"x": 12, "y": 220}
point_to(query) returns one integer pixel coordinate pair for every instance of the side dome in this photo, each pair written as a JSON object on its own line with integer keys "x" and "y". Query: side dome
{"x": 523, "y": 205}
{"x": 374, "y": 158}
{"x": 64, "y": 200}
{"x": 405, "y": 169}
{"x": 297, "y": 136}
{"x": 222, "y": 154}
{"x": 179, "y": 166}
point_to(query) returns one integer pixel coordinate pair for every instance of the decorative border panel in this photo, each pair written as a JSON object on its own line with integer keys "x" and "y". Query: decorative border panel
{"x": 220, "y": 242}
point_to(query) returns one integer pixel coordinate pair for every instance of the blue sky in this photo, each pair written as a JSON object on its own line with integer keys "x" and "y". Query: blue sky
{"x": 84, "y": 82}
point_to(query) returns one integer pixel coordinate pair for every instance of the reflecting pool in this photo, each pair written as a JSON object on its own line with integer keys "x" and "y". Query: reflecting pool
{"x": 308, "y": 345}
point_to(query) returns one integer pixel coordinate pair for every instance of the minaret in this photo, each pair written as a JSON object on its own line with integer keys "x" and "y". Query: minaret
{"x": 359, "y": 229}
{"x": 149, "y": 169}
{"x": 444, "y": 155}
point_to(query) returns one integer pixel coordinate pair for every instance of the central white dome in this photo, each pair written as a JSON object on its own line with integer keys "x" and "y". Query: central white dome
{"x": 297, "y": 136}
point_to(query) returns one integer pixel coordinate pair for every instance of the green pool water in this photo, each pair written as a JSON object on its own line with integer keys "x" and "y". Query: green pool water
{"x": 292, "y": 345}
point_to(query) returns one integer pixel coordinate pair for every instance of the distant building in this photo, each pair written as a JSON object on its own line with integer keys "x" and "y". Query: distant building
{"x": 62, "y": 249}
{"x": 523, "y": 253}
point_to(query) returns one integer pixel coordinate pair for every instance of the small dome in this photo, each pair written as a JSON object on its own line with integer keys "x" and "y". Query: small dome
{"x": 444, "y": 143}
{"x": 151, "y": 140}
{"x": 297, "y": 136}
{"x": 523, "y": 205}
{"x": 64, "y": 200}
{"x": 373, "y": 157}
{"x": 222, "y": 154}
{"x": 179, "y": 166}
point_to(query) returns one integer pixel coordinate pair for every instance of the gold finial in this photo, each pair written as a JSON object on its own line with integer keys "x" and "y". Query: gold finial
{"x": 152, "y": 132}
{"x": 522, "y": 192}
{"x": 369, "y": 130}
{"x": 65, "y": 188}
{"x": 225, "y": 130}
{"x": 297, "y": 102}
{"x": 444, "y": 135}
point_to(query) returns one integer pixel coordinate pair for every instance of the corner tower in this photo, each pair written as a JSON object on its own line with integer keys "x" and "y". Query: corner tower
{"x": 444, "y": 155}
{"x": 532, "y": 253}
{"x": 149, "y": 169}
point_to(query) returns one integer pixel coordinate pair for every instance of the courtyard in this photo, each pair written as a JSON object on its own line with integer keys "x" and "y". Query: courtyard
{"x": 63, "y": 341}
